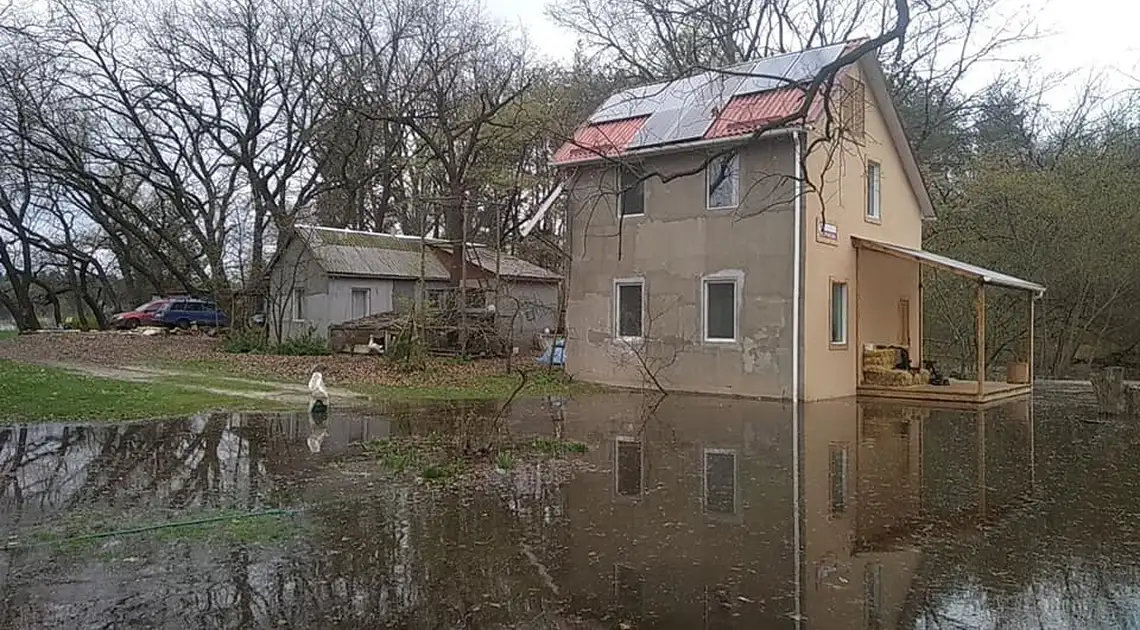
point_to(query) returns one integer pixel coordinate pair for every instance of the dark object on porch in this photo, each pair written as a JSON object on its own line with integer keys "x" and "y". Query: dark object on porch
{"x": 936, "y": 378}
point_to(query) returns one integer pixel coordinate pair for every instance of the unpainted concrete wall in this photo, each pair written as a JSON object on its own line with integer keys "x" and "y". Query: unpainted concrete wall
{"x": 672, "y": 247}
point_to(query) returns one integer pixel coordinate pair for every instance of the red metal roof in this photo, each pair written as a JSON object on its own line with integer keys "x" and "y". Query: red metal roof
{"x": 608, "y": 139}
{"x": 747, "y": 113}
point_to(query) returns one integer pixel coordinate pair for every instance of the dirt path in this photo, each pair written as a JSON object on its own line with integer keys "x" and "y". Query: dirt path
{"x": 286, "y": 393}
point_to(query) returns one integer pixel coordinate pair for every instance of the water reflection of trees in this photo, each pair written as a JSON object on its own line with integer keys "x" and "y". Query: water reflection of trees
{"x": 204, "y": 461}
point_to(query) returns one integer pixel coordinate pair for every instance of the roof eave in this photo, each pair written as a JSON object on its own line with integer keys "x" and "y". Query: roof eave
{"x": 678, "y": 147}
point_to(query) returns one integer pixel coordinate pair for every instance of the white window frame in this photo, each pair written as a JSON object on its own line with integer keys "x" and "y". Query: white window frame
{"x": 623, "y": 282}
{"x": 367, "y": 301}
{"x": 298, "y": 305}
{"x": 874, "y": 201}
{"x": 735, "y": 184}
{"x": 831, "y": 312}
{"x": 736, "y": 289}
{"x": 621, "y": 195}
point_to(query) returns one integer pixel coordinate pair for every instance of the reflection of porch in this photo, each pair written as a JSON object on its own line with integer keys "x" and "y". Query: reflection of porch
{"x": 967, "y": 392}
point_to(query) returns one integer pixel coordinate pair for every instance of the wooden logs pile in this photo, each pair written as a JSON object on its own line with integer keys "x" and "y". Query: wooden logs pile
{"x": 1115, "y": 397}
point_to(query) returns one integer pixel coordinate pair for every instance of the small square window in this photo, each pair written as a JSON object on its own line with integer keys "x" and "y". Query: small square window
{"x": 874, "y": 199}
{"x": 838, "y": 313}
{"x": 631, "y": 195}
{"x": 720, "y": 310}
{"x": 722, "y": 179}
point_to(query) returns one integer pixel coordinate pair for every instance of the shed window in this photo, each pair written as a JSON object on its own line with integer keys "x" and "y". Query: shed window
{"x": 874, "y": 200}
{"x": 722, "y": 178}
{"x": 630, "y": 308}
{"x": 299, "y": 304}
{"x": 838, "y": 313}
{"x": 720, "y": 310}
{"x": 359, "y": 303}
{"x": 631, "y": 197}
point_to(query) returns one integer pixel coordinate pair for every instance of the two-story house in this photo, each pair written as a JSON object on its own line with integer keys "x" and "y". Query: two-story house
{"x": 712, "y": 254}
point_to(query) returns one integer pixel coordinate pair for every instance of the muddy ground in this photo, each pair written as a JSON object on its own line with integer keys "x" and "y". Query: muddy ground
{"x": 202, "y": 353}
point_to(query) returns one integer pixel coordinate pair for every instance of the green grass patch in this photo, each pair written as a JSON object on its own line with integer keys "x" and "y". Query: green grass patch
{"x": 32, "y": 393}
{"x": 8, "y": 334}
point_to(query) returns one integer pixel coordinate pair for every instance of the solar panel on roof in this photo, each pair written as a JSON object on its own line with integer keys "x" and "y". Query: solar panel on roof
{"x": 767, "y": 74}
{"x": 638, "y": 101}
{"x": 811, "y": 61}
{"x": 657, "y": 129}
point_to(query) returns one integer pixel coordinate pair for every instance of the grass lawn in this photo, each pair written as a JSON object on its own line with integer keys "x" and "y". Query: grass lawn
{"x": 7, "y": 334}
{"x": 30, "y": 393}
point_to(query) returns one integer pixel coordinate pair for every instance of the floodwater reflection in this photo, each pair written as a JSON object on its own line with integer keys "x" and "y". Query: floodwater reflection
{"x": 694, "y": 512}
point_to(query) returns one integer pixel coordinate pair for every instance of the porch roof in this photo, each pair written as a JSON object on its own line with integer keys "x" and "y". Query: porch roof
{"x": 922, "y": 257}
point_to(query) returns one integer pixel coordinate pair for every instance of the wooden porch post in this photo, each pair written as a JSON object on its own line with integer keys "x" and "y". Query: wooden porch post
{"x": 980, "y": 335}
{"x": 1032, "y": 302}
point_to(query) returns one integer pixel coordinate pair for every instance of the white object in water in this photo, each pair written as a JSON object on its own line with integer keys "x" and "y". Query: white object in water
{"x": 318, "y": 395}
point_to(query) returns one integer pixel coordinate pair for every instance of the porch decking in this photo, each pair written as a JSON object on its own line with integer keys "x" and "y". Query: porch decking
{"x": 957, "y": 392}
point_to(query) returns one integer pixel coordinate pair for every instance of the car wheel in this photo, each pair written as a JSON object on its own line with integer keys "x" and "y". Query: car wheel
{"x": 183, "y": 324}
{"x": 131, "y": 324}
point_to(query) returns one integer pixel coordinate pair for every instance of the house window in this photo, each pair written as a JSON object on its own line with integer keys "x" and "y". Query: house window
{"x": 631, "y": 196}
{"x": 436, "y": 297}
{"x": 359, "y": 303}
{"x": 299, "y": 304}
{"x": 837, "y": 478}
{"x": 838, "y": 313}
{"x": 722, "y": 179}
{"x": 630, "y": 310}
{"x": 874, "y": 198}
{"x": 720, "y": 309}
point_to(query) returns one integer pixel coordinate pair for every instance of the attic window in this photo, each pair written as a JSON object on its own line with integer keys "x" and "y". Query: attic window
{"x": 852, "y": 107}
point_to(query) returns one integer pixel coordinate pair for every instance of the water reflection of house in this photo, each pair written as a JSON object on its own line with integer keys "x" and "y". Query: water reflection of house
{"x": 692, "y": 524}
{"x": 881, "y": 481}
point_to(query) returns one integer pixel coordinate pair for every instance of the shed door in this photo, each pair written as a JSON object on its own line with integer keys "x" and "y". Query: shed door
{"x": 359, "y": 303}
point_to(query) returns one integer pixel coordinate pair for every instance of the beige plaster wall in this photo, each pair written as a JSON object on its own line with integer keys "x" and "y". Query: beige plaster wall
{"x": 841, "y": 198}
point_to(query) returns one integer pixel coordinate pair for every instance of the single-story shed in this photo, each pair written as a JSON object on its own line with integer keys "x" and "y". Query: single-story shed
{"x": 323, "y": 276}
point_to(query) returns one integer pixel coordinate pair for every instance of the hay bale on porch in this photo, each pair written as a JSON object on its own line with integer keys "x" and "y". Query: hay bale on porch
{"x": 886, "y": 377}
{"x": 886, "y": 358}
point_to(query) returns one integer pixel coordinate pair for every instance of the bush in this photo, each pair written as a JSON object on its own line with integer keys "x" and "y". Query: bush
{"x": 244, "y": 342}
{"x": 309, "y": 344}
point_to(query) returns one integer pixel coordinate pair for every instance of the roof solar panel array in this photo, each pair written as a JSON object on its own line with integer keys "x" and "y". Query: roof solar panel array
{"x": 684, "y": 109}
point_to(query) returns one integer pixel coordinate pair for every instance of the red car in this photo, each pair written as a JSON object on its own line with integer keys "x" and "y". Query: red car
{"x": 141, "y": 316}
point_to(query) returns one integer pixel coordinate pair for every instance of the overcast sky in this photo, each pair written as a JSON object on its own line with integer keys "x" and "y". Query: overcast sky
{"x": 1084, "y": 35}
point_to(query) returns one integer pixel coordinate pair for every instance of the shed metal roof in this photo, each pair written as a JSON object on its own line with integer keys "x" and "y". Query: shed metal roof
{"x": 987, "y": 276}
{"x": 344, "y": 252}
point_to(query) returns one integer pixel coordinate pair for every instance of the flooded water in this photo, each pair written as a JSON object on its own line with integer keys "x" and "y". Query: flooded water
{"x": 693, "y": 513}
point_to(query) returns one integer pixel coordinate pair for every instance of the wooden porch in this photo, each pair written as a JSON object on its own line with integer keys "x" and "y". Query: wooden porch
{"x": 970, "y": 394}
{"x": 958, "y": 393}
